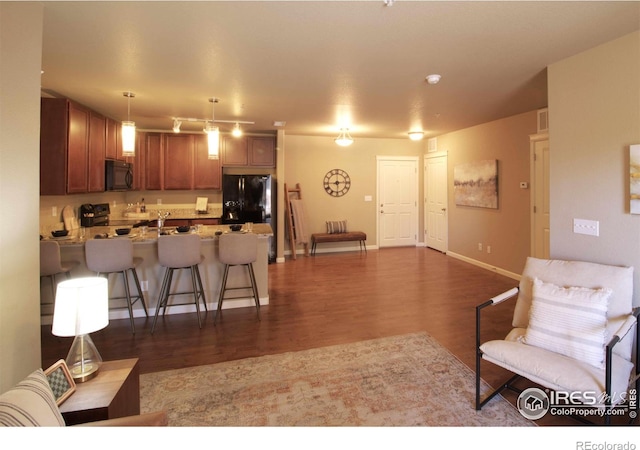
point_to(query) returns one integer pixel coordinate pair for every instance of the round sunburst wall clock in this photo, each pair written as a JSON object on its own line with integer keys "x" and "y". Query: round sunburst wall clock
{"x": 337, "y": 182}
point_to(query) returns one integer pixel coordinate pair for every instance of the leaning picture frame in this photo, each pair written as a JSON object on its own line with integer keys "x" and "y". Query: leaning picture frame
{"x": 61, "y": 381}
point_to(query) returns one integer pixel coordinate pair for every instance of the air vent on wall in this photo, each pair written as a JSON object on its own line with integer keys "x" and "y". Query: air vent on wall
{"x": 543, "y": 120}
{"x": 432, "y": 145}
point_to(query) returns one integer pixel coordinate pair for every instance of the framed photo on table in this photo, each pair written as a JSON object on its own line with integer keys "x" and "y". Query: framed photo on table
{"x": 60, "y": 380}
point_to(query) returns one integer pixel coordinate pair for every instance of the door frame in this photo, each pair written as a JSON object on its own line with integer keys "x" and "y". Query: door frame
{"x": 533, "y": 139}
{"x": 428, "y": 156}
{"x": 416, "y": 224}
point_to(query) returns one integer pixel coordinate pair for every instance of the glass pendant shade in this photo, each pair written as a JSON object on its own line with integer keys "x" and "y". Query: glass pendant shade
{"x": 213, "y": 140}
{"x": 128, "y": 138}
{"x": 344, "y": 139}
{"x": 81, "y": 307}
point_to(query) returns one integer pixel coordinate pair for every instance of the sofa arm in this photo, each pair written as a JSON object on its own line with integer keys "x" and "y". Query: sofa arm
{"x": 154, "y": 419}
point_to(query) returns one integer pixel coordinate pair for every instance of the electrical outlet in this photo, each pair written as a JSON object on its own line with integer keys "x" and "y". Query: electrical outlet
{"x": 488, "y": 249}
{"x": 54, "y": 211}
{"x": 480, "y": 246}
{"x": 159, "y": 201}
{"x": 144, "y": 285}
{"x": 589, "y": 227}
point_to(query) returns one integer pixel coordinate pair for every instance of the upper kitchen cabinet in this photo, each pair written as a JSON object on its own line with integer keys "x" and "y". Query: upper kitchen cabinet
{"x": 114, "y": 140}
{"x": 262, "y": 151}
{"x": 251, "y": 151}
{"x": 178, "y": 161}
{"x": 64, "y": 147}
{"x": 96, "y": 154}
{"x": 153, "y": 164}
{"x": 207, "y": 173}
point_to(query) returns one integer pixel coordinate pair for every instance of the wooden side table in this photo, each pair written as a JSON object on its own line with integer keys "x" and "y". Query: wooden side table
{"x": 114, "y": 392}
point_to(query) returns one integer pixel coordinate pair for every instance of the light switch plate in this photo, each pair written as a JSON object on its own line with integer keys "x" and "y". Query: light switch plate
{"x": 588, "y": 227}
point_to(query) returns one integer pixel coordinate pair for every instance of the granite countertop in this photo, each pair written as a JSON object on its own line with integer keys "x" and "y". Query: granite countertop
{"x": 207, "y": 232}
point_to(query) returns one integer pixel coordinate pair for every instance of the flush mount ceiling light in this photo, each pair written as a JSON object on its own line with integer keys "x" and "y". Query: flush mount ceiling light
{"x": 176, "y": 125}
{"x": 416, "y": 135}
{"x": 433, "y": 78}
{"x": 344, "y": 139}
{"x": 128, "y": 130}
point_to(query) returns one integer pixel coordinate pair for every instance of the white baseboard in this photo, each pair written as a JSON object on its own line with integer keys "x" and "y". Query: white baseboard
{"x": 475, "y": 262}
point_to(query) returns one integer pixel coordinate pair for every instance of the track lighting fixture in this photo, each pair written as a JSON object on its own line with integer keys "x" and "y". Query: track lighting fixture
{"x": 176, "y": 125}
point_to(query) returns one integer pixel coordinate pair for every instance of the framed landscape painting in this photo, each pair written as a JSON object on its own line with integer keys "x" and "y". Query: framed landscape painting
{"x": 476, "y": 184}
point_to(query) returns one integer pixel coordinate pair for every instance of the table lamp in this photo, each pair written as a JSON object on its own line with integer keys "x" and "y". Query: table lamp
{"x": 81, "y": 307}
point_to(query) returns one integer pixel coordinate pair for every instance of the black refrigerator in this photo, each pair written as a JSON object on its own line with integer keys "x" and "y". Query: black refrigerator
{"x": 247, "y": 198}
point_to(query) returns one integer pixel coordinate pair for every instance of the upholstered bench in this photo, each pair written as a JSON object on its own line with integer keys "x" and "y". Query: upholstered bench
{"x": 320, "y": 238}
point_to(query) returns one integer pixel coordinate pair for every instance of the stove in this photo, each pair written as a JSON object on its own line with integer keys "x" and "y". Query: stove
{"x": 96, "y": 215}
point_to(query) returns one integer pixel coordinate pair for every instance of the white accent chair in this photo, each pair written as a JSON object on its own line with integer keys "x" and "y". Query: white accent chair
{"x": 560, "y": 343}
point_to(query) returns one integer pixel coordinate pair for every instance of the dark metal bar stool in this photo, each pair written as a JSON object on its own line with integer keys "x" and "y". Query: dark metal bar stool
{"x": 107, "y": 256}
{"x": 175, "y": 252}
{"x": 238, "y": 249}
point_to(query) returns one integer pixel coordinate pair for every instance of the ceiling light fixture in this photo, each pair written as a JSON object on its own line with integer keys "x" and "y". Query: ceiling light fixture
{"x": 213, "y": 133}
{"x": 344, "y": 139}
{"x": 433, "y": 78}
{"x": 416, "y": 135}
{"x": 237, "y": 132}
{"x": 128, "y": 130}
{"x": 176, "y": 125}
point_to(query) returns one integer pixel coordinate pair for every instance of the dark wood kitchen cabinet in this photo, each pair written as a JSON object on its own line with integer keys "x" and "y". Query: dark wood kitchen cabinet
{"x": 64, "y": 147}
{"x": 178, "y": 161}
{"x": 96, "y": 153}
{"x": 153, "y": 166}
{"x": 207, "y": 173}
{"x": 251, "y": 151}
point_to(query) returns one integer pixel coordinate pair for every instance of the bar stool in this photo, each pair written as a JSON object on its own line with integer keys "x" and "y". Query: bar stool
{"x": 51, "y": 264}
{"x": 176, "y": 252}
{"x": 238, "y": 249}
{"x": 107, "y": 256}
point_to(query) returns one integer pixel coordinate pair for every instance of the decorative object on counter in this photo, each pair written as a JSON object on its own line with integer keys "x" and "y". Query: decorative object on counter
{"x": 183, "y": 229}
{"x": 82, "y": 307}
{"x": 143, "y": 207}
{"x": 59, "y": 233}
{"x": 235, "y": 227}
{"x": 69, "y": 218}
{"x": 123, "y": 231}
{"x": 162, "y": 216}
{"x": 201, "y": 204}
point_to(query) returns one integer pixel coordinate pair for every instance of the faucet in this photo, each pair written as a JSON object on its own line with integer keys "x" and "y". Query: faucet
{"x": 161, "y": 218}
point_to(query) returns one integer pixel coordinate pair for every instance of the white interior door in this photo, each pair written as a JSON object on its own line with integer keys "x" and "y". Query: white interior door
{"x": 397, "y": 201}
{"x": 435, "y": 182}
{"x": 540, "y": 232}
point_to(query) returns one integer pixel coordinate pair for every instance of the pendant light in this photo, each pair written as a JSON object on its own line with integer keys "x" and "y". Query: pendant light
{"x": 237, "y": 132}
{"x": 128, "y": 130}
{"x": 344, "y": 139}
{"x": 213, "y": 133}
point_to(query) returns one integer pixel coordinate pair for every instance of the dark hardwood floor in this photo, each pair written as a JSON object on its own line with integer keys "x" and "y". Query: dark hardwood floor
{"x": 325, "y": 300}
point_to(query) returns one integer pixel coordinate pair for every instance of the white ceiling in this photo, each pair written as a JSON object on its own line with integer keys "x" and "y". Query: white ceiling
{"x": 319, "y": 65}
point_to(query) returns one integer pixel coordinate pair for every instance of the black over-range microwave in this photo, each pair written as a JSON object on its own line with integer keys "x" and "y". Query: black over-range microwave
{"x": 118, "y": 176}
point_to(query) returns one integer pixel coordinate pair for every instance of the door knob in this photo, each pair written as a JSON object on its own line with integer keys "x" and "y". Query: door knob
{"x": 381, "y": 212}
{"x": 444, "y": 209}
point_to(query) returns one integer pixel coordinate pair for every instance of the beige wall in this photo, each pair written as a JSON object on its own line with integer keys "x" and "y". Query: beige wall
{"x": 506, "y": 229}
{"x": 21, "y": 26}
{"x": 594, "y": 115}
{"x": 307, "y": 160}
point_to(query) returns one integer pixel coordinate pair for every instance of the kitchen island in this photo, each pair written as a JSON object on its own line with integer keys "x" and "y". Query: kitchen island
{"x": 151, "y": 273}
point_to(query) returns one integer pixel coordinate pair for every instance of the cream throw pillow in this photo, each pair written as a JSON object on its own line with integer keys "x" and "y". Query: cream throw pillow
{"x": 30, "y": 404}
{"x": 569, "y": 320}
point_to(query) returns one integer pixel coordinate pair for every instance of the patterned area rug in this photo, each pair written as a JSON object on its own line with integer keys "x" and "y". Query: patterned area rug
{"x": 408, "y": 380}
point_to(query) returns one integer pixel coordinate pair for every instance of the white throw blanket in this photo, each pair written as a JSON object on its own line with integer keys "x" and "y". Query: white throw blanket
{"x": 299, "y": 222}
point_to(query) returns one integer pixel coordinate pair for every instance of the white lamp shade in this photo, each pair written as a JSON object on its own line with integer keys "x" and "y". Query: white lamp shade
{"x": 213, "y": 138}
{"x": 128, "y": 138}
{"x": 81, "y": 307}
